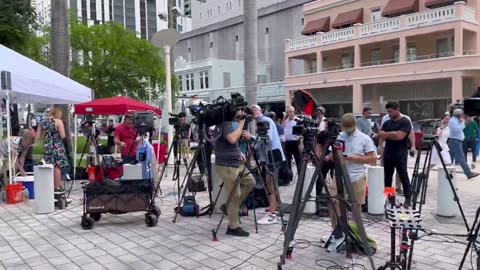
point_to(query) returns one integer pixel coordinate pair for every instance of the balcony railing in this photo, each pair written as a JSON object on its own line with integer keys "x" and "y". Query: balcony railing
{"x": 380, "y": 27}
{"x": 430, "y": 17}
{"x": 268, "y": 92}
{"x": 336, "y": 36}
{"x": 303, "y": 43}
{"x": 457, "y": 12}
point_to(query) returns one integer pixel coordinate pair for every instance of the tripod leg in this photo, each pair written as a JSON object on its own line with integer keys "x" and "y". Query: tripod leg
{"x": 277, "y": 197}
{"x": 254, "y": 210}
{"x": 187, "y": 179}
{"x": 227, "y": 204}
{"x": 472, "y": 239}
{"x": 356, "y": 212}
{"x": 216, "y": 199}
{"x": 295, "y": 214}
{"x": 163, "y": 170}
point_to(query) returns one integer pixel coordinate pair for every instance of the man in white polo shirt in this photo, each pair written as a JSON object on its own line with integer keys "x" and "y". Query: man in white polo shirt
{"x": 359, "y": 151}
{"x": 292, "y": 142}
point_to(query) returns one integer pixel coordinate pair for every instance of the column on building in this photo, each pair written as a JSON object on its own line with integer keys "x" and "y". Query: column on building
{"x": 457, "y": 86}
{"x": 319, "y": 61}
{"x": 357, "y": 98}
{"x": 402, "y": 49}
{"x": 357, "y": 56}
{"x": 458, "y": 40}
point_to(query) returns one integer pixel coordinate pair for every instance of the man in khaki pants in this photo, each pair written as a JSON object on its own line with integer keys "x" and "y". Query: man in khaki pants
{"x": 229, "y": 165}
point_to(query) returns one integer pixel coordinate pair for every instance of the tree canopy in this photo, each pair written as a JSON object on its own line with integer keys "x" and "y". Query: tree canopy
{"x": 113, "y": 61}
{"x": 17, "y": 21}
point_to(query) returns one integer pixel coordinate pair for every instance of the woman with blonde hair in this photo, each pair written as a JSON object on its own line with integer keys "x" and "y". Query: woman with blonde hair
{"x": 54, "y": 151}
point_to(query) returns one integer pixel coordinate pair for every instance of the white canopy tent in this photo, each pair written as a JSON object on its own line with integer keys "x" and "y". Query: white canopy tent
{"x": 34, "y": 83}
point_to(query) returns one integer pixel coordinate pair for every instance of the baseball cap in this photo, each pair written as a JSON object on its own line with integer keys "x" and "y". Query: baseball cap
{"x": 321, "y": 109}
{"x": 349, "y": 122}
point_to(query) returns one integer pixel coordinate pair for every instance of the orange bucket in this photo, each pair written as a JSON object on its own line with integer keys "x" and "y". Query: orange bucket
{"x": 14, "y": 193}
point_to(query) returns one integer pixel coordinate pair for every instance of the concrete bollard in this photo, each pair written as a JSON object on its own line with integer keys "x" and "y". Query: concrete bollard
{"x": 376, "y": 185}
{"x": 44, "y": 189}
{"x": 310, "y": 206}
{"x": 446, "y": 206}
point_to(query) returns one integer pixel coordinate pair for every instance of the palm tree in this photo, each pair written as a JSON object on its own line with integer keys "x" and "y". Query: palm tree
{"x": 250, "y": 50}
{"x": 60, "y": 52}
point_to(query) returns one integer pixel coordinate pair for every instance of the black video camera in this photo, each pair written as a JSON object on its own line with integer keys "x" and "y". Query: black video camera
{"x": 305, "y": 127}
{"x": 143, "y": 121}
{"x": 175, "y": 118}
{"x": 222, "y": 110}
{"x": 262, "y": 128}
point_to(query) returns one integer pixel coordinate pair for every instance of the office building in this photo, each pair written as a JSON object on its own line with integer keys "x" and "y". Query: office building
{"x": 221, "y": 36}
{"x": 139, "y": 16}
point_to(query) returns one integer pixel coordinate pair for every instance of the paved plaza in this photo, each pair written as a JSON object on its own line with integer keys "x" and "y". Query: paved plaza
{"x": 56, "y": 241}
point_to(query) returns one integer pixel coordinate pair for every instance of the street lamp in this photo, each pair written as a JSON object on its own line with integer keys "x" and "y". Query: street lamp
{"x": 166, "y": 39}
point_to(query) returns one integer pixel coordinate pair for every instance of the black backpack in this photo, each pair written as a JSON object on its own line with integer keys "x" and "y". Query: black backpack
{"x": 285, "y": 174}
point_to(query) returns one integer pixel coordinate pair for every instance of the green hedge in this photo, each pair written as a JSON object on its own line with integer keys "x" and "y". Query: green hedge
{"x": 38, "y": 147}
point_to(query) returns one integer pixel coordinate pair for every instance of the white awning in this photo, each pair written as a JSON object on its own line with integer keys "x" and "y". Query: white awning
{"x": 34, "y": 83}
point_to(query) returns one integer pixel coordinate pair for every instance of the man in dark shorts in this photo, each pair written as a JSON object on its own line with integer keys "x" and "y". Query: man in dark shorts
{"x": 395, "y": 154}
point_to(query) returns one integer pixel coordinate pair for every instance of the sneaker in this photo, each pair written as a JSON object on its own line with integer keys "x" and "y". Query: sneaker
{"x": 268, "y": 219}
{"x": 237, "y": 232}
{"x": 473, "y": 175}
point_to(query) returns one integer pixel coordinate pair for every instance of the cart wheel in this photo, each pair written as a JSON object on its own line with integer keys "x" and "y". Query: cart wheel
{"x": 87, "y": 223}
{"x": 96, "y": 216}
{"x": 151, "y": 220}
{"x": 62, "y": 203}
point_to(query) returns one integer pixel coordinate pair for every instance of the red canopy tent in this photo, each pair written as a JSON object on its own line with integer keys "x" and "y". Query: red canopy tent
{"x": 114, "y": 106}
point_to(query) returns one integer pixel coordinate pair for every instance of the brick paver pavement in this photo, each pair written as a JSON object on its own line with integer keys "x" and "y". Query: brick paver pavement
{"x": 56, "y": 241}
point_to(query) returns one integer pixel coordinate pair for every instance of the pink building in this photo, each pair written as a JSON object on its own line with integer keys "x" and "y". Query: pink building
{"x": 422, "y": 53}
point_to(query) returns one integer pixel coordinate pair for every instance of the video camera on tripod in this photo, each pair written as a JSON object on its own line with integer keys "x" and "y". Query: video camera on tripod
{"x": 305, "y": 127}
{"x": 143, "y": 122}
{"x": 220, "y": 110}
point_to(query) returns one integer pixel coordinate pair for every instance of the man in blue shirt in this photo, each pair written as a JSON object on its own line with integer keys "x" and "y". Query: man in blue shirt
{"x": 364, "y": 123}
{"x": 455, "y": 142}
{"x": 273, "y": 144}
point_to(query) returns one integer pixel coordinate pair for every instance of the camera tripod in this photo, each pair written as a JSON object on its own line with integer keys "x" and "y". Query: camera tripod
{"x": 200, "y": 152}
{"x": 343, "y": 184}
{"x": 419, "y": 189}
{"x": 178, "y": 156}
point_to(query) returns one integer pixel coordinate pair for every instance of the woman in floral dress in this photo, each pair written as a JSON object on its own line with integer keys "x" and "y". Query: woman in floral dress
{"x": 54, "y": 153}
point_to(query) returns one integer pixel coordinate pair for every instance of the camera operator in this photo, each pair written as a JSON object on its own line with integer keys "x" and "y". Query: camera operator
{"x": 359, "y": 151}
{"x": 273, "y": 144}
{"x": 292, "y": 142}
{"x": 229, "y": 164}
{"x": 455, "y": 141}
{"x": 126, "y": 139}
